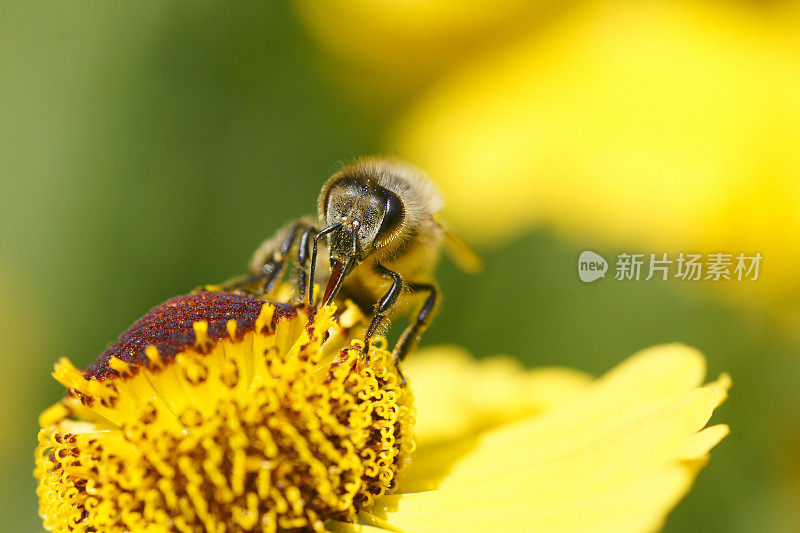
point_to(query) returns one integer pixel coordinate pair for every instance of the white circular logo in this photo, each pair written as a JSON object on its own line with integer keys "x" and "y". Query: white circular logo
{"x": 591, "y": 266}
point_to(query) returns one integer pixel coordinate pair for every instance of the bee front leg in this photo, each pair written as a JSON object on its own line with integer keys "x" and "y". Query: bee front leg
{"x": 385, "y": 304}
{"x": 302, "y": 265}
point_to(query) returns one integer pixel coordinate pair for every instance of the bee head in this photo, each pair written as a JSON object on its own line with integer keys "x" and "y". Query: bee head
{"x": 362, "y": 217}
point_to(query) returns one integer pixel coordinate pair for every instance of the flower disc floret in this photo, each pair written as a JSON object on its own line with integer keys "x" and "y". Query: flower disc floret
{"x": 220, "y": 412}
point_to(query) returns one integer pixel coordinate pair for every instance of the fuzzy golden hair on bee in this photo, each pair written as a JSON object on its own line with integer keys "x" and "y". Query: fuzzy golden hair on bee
{"x": 391, "y": 200}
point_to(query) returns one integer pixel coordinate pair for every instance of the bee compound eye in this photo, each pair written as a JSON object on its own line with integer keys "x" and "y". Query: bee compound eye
{"x": 392, "y": 215}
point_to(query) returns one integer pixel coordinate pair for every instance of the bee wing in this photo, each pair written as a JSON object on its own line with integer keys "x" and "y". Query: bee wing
{"x": 462, "y": 254}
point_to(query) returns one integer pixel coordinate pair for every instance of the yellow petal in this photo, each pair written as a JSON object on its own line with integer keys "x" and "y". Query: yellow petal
{"x": 616, "y": 458}
{"x": 672, "y": 124}
{"x": 347, "y": 527}
{"x": 456, "y": 396}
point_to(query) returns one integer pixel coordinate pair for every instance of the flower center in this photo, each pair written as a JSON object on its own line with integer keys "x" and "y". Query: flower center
{"x": 245, "y": 416}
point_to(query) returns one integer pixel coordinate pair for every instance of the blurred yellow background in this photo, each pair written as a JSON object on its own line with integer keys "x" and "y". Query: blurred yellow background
{"x": 147, "y": 149}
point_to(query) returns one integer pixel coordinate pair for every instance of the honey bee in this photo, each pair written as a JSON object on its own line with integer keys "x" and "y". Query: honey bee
{"x": 376, "y": 242}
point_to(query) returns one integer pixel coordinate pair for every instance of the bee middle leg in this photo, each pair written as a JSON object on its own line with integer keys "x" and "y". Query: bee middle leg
{"x": 274, "y": 263}
{"x": 421, "y": 322}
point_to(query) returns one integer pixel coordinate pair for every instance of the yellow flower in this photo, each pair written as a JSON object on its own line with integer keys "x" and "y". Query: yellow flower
{"x": 218, "y": 412}
{"x": 223, "y": 412}
{"x": 663, "y": 126}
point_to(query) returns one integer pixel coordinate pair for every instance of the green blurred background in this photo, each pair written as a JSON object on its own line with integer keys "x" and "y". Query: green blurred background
{"x": 147, "y": 148}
